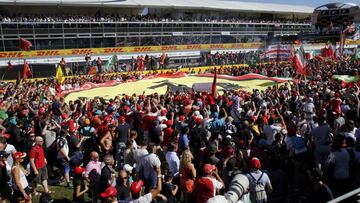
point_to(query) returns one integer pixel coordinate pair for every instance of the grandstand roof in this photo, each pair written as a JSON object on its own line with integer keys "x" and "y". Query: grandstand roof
{"x": 183, "y": 4}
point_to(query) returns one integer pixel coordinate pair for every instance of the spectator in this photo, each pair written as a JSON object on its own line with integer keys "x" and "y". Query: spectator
{"x": 122, "y": 138}
{"x": 5, "y": 178}
{"x": 320, "y": 192}
{"x": 170, "y": 189}
{"x": 21, "y": 186}
{"x": 147, "y": 168}
{"x": 38, "y": 165}
{"x": 110, "y": 194}
{"x": 260, "y": 184}
{"x": 63, "y": 154}
{"x": 93, "y": 174}
{"x": 147, "y": 198}
{"x": 107, "y": 177}
{"x": 122, "y": 187}
{"x": 8, "y": 148}
{"x": 173, "y": 160}
{"x": 209, "y": 184}
{"x": 187, "y": 176}
{"x": 80, "y": 186}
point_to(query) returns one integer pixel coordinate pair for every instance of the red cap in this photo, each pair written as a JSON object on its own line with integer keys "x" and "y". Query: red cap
{"x": 109, "y": 192}
{"x": 25, "y": 111}
{"x": 126, "y": 108}
{"x": 169, "y": 123}
{"x": 181, "y": 118}
{"x": 107, "y": 119}
{"x": 122, "y": 119}
{"x": 138, "y": 107}
{"x": 19, "y": 155}
{"x": 72, "y": 126}
{"x": 163, "y": 112}
{"x": 64, "y": 116}
{"x": 255, "y": 163}
{"x": 136, "y": 187}
{"x": 41, "y": 111}
{"x": 6, "y": 135}
{"x": 79, "y": 170}
{"x": 208, "y": 168}
{"x": 198, "y": 121}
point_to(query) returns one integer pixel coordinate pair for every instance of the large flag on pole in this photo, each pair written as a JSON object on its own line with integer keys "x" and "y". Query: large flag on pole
{"x": 26, "y": 70}
{"x": 24, "y": 44}
{"x": 213, "y": 89}
{"x": 300, "y": 61}
{"x": 110, "y": 63}
{"x": 59, "y": 74}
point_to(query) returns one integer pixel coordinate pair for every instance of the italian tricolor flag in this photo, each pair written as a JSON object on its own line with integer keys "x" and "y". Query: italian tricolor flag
{"x": 346, "y": 80}
{"x": 300, "y": 61}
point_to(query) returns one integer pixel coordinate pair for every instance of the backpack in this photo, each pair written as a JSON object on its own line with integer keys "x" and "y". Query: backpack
{"x": 298, "y": 142}
{"x": 258, "y": 192}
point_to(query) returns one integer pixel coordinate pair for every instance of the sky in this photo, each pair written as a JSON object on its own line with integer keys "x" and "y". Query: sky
{"x": 312, "y": 3}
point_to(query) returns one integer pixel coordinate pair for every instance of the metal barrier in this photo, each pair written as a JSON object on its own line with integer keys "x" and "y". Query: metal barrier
{"x": 345, "y": 196}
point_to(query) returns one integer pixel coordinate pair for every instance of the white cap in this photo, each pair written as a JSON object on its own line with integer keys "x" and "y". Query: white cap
{"x": 128, "y": 168}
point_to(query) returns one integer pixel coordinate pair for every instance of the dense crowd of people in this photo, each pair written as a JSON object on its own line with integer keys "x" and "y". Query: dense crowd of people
{"x": 294, "y": 141}
{"x": 140, "y": 18}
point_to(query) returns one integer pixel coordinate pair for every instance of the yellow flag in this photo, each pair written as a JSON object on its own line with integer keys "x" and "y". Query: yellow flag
{"x": 59, "y": 74}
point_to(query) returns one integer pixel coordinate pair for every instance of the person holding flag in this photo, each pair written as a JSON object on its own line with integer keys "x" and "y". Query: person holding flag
{"x": 300, "y": 61}
{"x": 59, "y": 74}
{"x": 9, "y": 66}
{"x": 26, "y": 70}
{"x": 99, "y": 64}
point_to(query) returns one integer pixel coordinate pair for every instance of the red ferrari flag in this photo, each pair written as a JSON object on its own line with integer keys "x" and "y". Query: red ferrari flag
{"x": 24, "y": 44}
{"x": 213, "y": 89}
{"x": 26, "y": 71}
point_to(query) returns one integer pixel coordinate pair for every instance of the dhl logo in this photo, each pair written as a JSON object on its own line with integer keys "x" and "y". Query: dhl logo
{"x": 11, "y": 54}
{"x": 216, "y": 46}
{"x": 142, "y": 49}
{"x": 81, "y": 51}
{"x": 167, "y": 48}
{"x": 113, "y": 50}
{"x": 195, "y": 46}
{"x": 48, "y": 53}
{"x": 237, "y": 46}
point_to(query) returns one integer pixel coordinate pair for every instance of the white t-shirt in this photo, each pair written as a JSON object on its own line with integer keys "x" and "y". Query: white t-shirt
{"x": 143, "y": 199}
{"x": 173, "y": 161}
{"x": 270, "y": 131}
{"x": 62, "y": 143}
{"x": 148, "y": 165}
{"x": 10, "y": 149}
{"x": 351, "y": 133}
{"x": 309, "y": 107}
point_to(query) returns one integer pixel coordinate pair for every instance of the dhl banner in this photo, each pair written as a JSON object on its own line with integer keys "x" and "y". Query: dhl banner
{"x": 352, "y": 42}
{"x": 119, "y": 50}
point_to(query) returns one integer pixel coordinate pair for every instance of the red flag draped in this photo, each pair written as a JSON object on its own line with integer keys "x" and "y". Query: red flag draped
{"x": 213, "y": 89}
{"x": 24, "y": 44}
{"x": 26, "y": 71}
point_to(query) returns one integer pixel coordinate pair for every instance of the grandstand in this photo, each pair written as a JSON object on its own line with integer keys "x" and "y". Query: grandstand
{"x": 87, "y": 24}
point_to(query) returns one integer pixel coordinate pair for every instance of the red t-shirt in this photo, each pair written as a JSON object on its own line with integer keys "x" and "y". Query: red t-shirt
{"x": 168, "y": 135}
{"x": 205, "y": 189}
{"x": 37, "y": 153}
